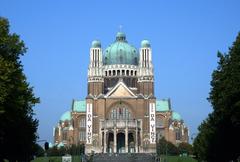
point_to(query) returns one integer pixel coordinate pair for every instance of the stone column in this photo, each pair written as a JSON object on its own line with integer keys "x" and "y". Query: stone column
{"x": 136, "y": 142}
{"x": 126, "y": 139}
{"x": 115, "y": 140}
{"x": 141, "y": 136}
{"x": 105, "y": 141}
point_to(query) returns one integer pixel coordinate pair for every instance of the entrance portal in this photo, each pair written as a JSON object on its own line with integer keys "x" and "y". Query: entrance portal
{"x": 110, "y": 143}
{"x": 131, "y": 144}
{"x": 120, "y": 142}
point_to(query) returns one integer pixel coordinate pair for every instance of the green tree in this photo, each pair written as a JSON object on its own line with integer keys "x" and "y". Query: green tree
{"x": 218, "y": 138}
{"x": 18, "y": 127}
{"x": 164, "y": 147}
{"x": 185, "y": 148}
{"x": 39, "y": 150}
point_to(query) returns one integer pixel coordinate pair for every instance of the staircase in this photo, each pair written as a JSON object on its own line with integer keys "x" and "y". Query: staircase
{"x": 140, "y": 157}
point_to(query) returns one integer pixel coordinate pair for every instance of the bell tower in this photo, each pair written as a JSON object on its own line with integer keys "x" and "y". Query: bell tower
{"x": 95, "y": 79}
{"x": 145, "y": 71}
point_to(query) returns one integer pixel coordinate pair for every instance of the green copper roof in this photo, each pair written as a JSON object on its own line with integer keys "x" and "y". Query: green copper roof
{"x": 176, "y": 116}
{"x": 120, "y": 52}
{"x": 163, "y": 105}
{"x": 96, "y": 44}
{"x": 66, "y": 116}
{"x": 145, "y": 44}
{"x": 79, "y": 106}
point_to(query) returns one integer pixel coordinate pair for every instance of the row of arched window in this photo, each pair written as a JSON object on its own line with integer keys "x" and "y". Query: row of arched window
{"x": 120, "y": 113}
{"x": 121, "y": 73}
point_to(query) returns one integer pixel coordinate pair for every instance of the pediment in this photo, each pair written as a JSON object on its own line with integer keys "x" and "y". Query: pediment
{"x": 120, "y": 90}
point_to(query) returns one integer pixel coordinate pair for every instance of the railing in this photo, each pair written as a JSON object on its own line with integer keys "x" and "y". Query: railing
{"x": 120, "y": 123}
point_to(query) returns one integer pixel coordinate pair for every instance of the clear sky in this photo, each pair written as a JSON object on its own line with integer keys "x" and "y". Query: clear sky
{"x": 185, "y": 37}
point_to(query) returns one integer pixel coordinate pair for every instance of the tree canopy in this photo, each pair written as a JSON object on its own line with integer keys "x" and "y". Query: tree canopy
{"x": 165, "y": 147}
{"x": 218, "y": 138}
{"x": 18, "y": 127}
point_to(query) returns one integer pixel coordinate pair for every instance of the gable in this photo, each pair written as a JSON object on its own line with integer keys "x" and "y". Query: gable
{"x": 120, "y": 90}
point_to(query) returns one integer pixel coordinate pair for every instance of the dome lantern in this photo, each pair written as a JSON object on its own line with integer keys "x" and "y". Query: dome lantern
{"x": 121, "y": 36}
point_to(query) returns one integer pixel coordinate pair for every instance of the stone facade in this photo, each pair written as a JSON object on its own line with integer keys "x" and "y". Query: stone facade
{"x": 120, "y": 113}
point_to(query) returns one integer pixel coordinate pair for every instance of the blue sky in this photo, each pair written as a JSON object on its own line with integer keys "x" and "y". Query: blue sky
{"x": 185, "y": 37}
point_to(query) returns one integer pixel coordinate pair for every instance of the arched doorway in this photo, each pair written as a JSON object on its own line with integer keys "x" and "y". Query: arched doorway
{"x": 110, "y": 143}
{"x": 131, "y": 143}
{"x": 120, "y": 142}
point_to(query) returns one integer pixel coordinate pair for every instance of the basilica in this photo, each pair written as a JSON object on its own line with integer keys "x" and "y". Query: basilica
{"x": 120, "y": 113}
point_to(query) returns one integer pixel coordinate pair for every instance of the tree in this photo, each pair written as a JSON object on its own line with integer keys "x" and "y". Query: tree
{"x": 39, "y": 150}
{"x": 218, "y": 138}
{"x": 185, "y": 148}
{"x": 18, "y": 127}
{"x": 164, "y": 147}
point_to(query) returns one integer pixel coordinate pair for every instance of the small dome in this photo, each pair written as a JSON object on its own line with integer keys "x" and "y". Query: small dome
{"x": 96, "y": 44}
{"x": 145, "y": 44}
{"x": 176, "y": 116}
{"x": 66, "y": 116}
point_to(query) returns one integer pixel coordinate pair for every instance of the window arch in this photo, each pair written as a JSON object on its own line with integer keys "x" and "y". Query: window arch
{"x": 118, "y": 72}
{"x": 131, "y": 72}
{"x": 178, "y": 134}
{"x": 120, "y": 113}
{"x": 160, "y": 122}
{"x": 82, "y": 122}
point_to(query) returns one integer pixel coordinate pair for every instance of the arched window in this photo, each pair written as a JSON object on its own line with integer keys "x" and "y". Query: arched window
{"x": 82, "y": 122}
{"x": 159, "y": 123}
{"x": 123, "y": 72}
{"x": 127, "y": 72}
{"x": 178, "y": 134}
{"x": 64, "y": 135}
{"x": 120, "y": 113}
{"x": 82, "y": 135}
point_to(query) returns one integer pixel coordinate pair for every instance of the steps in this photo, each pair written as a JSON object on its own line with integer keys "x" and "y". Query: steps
{"x": 139, "y": 157}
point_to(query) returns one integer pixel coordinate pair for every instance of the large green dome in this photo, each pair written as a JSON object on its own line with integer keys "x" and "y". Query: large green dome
{"x": 120, "y": 52}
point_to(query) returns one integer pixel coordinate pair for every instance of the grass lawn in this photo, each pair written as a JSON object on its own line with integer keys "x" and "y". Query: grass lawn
{"x": 178, "y": 159}
{"x": 77, "y": 159}
{"x": 55, "y": 159}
